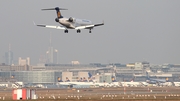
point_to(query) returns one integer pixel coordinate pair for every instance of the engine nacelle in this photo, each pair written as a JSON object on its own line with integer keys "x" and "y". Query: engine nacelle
{"x": 70, "y": 19}
{"x": 57, "y": 19}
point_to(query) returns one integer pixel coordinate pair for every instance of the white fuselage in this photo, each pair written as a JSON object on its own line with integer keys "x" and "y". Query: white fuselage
{"x": 177, "y": 84}
{"x": 130, "y": 84}
{"x": 76, "y": 83}
{"x": 74, "y": 23}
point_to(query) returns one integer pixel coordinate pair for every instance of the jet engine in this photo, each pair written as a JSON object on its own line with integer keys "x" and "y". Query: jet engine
{"x": 70, "y": 19}
{"x": 57, "y": 19}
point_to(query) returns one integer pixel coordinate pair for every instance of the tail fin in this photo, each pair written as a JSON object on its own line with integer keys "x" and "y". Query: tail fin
{"x": 59, "y": 15}
{"x": 132, "y": 80}
{"x": 147, "y": 75}
{"x": 58, "y": 12}
{"x": 90, "y": 75}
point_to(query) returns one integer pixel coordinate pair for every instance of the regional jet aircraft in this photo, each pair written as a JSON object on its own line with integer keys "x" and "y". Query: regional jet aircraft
{"x": 70, "y": 23}
{"x": 155, "y": 81}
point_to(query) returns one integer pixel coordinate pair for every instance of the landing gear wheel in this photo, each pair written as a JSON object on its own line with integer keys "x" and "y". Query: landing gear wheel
{"x": 78, "y": 31}
{"x": 89, "y": 31}
{"x": 66, "y": 31}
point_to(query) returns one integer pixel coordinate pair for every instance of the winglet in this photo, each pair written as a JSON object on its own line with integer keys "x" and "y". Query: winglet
{"x": 34, "y": 23}
{"x": 39, "y": 25}
{"x": 99, "y": 24}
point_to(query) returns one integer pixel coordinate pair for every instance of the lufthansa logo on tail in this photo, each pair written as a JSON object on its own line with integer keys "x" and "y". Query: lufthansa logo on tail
{"x": 59, "y": 14}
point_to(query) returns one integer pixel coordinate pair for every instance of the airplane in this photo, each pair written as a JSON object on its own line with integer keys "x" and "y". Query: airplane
{"x": 76, "y": 84}
{"x": 177, "y": 84}
{"x": 70, "y": 23}
{"x": 82, "y": 83}
{"x": 155, "y": 81}
{"x": 130, "y": 83}
{"x": 114, "y": 83}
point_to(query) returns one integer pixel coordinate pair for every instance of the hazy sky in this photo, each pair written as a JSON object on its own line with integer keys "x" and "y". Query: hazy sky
{"x": 134, "y": 30}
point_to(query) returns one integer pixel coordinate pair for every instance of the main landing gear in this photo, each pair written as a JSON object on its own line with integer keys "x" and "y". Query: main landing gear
{"x": 78, "y": 31}
{"x": 90, "y": 31}
{"x": 66, "y": 31}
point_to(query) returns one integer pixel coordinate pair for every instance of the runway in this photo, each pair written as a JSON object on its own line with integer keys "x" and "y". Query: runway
{"x": 96, "y": 94}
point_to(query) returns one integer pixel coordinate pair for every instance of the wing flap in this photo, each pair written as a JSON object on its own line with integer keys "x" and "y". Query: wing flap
{"x": 99, "y": 24}
{"x": 85, "y": 27}
{"x": 89, "y": 26}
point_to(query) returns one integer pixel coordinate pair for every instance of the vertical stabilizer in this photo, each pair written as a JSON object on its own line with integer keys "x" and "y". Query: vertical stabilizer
{"x": 58, "y": 13}
{"x": 89, "y": 74}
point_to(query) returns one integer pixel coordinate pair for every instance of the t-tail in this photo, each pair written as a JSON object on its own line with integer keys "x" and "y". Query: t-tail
{"x": 59, "y": 15}
{"x": 89, "y": 74}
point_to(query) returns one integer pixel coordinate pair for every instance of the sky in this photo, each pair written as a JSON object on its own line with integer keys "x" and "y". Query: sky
{"x": 134, "y": 31}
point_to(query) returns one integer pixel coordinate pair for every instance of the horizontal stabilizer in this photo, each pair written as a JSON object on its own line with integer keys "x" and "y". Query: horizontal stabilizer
{"x": 57, "y": 8}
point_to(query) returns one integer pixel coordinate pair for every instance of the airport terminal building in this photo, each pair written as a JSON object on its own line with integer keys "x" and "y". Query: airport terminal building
{"x": 50, "y": 73}
{"x": 31, "y": 76}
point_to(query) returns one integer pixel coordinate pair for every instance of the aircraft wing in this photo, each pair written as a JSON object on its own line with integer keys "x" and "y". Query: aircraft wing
{"x": 50, "y": 26}
{"x": 89, "y": 26}
{"x": 99, "y": 24}
{"x": 67, "y": 83}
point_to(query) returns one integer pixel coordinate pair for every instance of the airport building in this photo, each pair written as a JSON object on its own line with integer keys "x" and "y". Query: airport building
{"x": 23, "y": 62}
{"x": 52, "y": 56}
{"x": 46, "y": 77}
{"x": 49, "y": 73}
